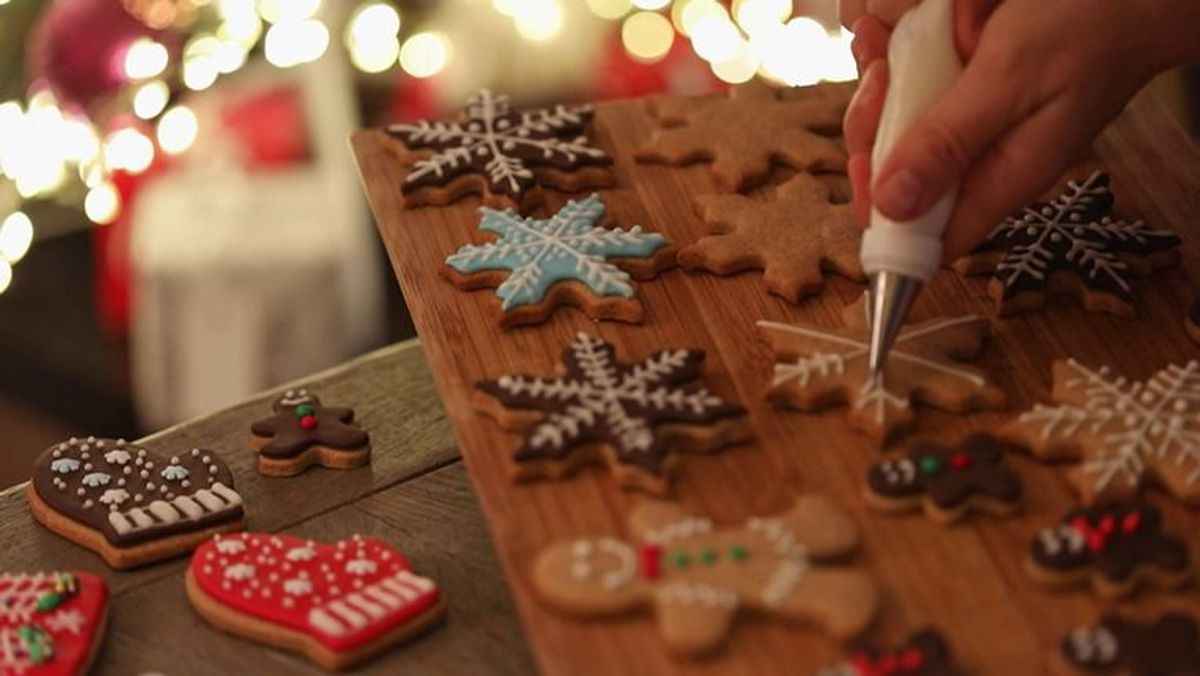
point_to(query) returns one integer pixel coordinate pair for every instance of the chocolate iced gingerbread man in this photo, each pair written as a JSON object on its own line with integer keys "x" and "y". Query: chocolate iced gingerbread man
{"x": 1166, "y": 647}
{"x": 1115, "y": 548}
{"x": 696, "y": 578}
{"x": 303, "y": 432}
{"x": 948, "y": 481}
{"x": 925, "y": 653}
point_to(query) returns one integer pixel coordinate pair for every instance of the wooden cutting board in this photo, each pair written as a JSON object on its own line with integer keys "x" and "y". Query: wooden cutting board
{"x": 967, "y": 579}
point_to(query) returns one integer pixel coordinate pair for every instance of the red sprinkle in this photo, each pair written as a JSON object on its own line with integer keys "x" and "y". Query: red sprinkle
{"x": 912, "y": 659}
{"x": 308, "y": 422}
{"x": 1108, "y": 524}
{"x": 651, "y": 556}
{"x": 1131, "y": 522}
{"x": 960, "y": 460}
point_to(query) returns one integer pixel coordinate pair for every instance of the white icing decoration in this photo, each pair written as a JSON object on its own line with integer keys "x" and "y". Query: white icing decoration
{"x": 1095, "y": 646}
{"x": 64, "y": 465}
{"x": 114, "y": 496}
{"x": 1064, "y": 536}
{"x": 900, "y": 472}
{"x": 697, "y": 594}
{"x": 66, "y": 620}
{"x": 298, "y": 586}
{"x": 117, "y": 457}
{"x": 174, "y": 473}
{"x": 230, "y": 545}
{"x": 361, "y": 566}
{"x": 239, "y": 572}
{"x": 301, "y": 554}
{"x": 95, "y": 479}
{"x": 585, "y": 552}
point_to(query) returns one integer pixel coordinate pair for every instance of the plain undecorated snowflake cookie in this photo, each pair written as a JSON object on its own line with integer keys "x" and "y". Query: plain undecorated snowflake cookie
{"x": 539, "y": 265}
{"x": 817, "y": 367}
{"x": 696, "y": 578}
{"x": 503, "y": 155}
{"x": 633, "y": 417}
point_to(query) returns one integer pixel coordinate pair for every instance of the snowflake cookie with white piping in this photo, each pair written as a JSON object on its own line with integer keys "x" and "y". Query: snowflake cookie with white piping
{"x": 632, "y": 417}
{"x": 538, "y": 265}
{"x": 1071, "y": 245}
{"x": 696, "y": 578}
{"x": 51, "y": 624}
{"x": 1124, "y": 435}
{"x": 503, "y": 155}
{"x": 817, "y": 367}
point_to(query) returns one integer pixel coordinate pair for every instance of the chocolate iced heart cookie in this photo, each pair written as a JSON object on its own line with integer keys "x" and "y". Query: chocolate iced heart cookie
{"x": 51, "y": 624}
{"x": 130, "y": 505}
{"x": 303, "y": 432}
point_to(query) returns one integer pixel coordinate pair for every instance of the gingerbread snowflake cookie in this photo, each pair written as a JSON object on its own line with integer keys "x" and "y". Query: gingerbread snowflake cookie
{"x": 501, "y": 154}
{"x": 925, "y": 653}
{"x": 633, "y": 417}
{"x": 791, "y": 239}
{"x": 744, "y": 132}
{"x": 696, "y": 578}
{"x": 1114, "y": 548}
{"x": 1123, "y": 434}
{"x": 130, "y": 505}
{"x": 1168, "y": 646}
{"x": 1072, "y": 245}
{"x": 303, "y": 432}
{"x": 338, "y": 604}
{"x": 51, "y": 623}
{"x": 817, "y": 367}
{"x": 537, "y": 265}
{"x": 947, "y": 481}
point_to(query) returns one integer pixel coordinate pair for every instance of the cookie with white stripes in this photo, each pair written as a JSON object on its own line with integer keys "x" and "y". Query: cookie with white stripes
{"x": 131, "y": 505}
{"x": 338, "y": 604}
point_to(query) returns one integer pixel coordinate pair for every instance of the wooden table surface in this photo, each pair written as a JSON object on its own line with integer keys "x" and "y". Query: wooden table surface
{"x": 414, "y": 494}
{"x": 968, "y": 580}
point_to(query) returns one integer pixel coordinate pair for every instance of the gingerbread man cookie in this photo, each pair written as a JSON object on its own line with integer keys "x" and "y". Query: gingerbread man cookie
{"x": 1115, "y": 548}
{"x": 338, "y": 604}
{"x": 792, "y": 239}
{"x": 503, "y": 155}
{"x": 130, "y": 505}
{"x": 744, "y": 132}
{"x": 948, "y": 481}
{"x": 51, "y": 624}
{"x": 1073, "y": 246}
{"x": 1166, "y": 647}
{"x": 632, "y": 417}
{"x": 1123, "y": 434}
{"x": 537, "y": 265}
{"x": 817, "y": 367}
{"x": 303, "y": 432}
{"x": 925, "y": 653}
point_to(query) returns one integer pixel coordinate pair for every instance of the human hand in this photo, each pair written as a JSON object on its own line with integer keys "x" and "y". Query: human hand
{"x": 1041, "y": 81}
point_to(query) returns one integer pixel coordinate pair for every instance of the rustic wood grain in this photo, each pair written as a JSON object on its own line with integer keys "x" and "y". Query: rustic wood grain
{"x": 966, "y": 579}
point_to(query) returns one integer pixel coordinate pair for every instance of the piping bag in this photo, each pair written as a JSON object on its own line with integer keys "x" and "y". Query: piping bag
{"x": 899, "y": 257}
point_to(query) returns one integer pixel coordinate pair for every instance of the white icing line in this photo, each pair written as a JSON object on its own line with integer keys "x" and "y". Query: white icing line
{"x": 211, "y": 502}
{"x": 375, "y": 610}
{"x": 188, "y": 507}
{"x": 119, "y": 523}
{"x": 164, "y": 511}
{"x": 345, "y": 612}
{"x": 325, "y": 622}
{"x": 140, "y": 518}
{"x": 231, "y": 496}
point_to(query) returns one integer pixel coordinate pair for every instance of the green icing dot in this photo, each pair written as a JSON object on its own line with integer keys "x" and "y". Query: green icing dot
{"x": 49, "y": 602}
{"x": 708, "y": 555}
{"x": 304, "y": 410}
{"x": 738, "y": 552}
{"x": 930, "y": 465}
{"x": 681, "y": 560}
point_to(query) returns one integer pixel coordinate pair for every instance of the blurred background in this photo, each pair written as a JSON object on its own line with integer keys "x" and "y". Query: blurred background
{"x": 180, "y": 219}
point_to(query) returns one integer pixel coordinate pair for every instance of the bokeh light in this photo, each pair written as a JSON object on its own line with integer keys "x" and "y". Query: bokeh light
{"x": 145, "y": 58}
{"x": 610, "y": 9}
{"x": 16, "y": 235}
{"x": 129, "y": 150}
{"x": 177, "y": 130}
{"x": 293, "y": 43}
{"x": 647, "y": 36}
{"x": 425, "y": 54}
{"x": 539, "y": 20}
{"x": 371, "y": 37}
{"x": 150, "y": 99}
{"x": 651, "y": 4}
{"x": 102, "y": 204}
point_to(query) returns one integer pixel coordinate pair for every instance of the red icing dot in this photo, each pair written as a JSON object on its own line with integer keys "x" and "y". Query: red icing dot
{"x": 888, "y": 664}
{"x": 1131, "y": 522}
{"x": 308, "y": 422}
{"x": 912, "y": 659}
{"x": 651, "y": 556}
{"x": 960, "y": 461}
{"x": 1107, "y": 524}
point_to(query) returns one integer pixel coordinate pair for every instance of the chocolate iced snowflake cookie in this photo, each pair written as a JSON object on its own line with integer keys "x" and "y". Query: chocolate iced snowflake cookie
{"x": 947, "y": 481}
{"x": 1124, "y": 435}
{"x": 1114, "y": 548}
{"x": 1166, "y": 647}
{"x": 744, "y": 132}
{"x": 503, "y": 155}
{"x": 130, "y": 505}
{"x": 538, "y": 265}
{"x": 303, "y": 432}
{"x": 792, "y": 239}
{"x": 1072, "y": 245}
{"x": 925, "y": 653}
{"x": 632, "y": 417}
{"x": 817, "y": 367}
{"x": 696, "y": 578}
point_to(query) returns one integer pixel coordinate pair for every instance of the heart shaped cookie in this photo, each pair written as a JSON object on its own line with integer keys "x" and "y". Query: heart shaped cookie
{"x": 130, "y": 505}
{"x": 50, "y": 623}
{"x": 338, "y": 604}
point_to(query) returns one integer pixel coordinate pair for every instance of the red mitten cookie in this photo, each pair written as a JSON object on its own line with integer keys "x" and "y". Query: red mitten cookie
{"x": 338, "y": 604}
{"x": 51, "y": 624}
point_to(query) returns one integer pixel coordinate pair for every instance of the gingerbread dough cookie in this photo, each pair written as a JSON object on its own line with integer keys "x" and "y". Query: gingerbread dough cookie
{"x": 1115, "y": 548}
{"x": 1128, "y": 647}
{"x": 696, "y": 578}
{"x": 925, "y": 653}
{"x": 1074, "y": 246}
{"x": 502, "y": 155}
{"x": 1192, "y": 323}
{"x": 303, "y": 432}
{"x": 744, "y": 132}
{"x": 338, "y": 604}
{"x": 130, "y": 505}
{"x": 51, "y": 624}
{"x": 537, "y": 265}
{"x": 949, "y": 482}
{"x": 632, "y": 417}
{"x": 817, "y": 367}
{"x": 1122, "y": 434}
{"x": 791, "y": 239}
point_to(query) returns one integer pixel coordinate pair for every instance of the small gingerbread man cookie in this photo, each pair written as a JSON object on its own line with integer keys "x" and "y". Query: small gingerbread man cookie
{"x": 304, "y": 432}
{"x": 696, "y": 578}
{"x": 925, "y": 653}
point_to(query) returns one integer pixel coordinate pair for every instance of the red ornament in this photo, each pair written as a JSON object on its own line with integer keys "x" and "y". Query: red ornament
{"x": 308, "y": 422}
{"x": 960, "y": 461}
{"x": 650, "y": 556}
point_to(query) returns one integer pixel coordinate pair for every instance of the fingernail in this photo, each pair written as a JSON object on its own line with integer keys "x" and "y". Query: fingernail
{"x": 898, "y": 195}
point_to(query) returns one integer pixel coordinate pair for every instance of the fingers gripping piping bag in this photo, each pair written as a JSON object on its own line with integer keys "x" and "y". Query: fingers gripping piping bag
{"x": 900, "y": 256}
